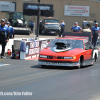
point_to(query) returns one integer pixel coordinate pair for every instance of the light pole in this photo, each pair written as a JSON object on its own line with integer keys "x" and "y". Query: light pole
{"x": 37, "y": 35}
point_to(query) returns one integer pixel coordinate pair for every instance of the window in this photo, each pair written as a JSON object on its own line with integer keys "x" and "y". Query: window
{"x": 85, "y": 41}
{"x": 88, "y": 46}
{"x": 51, "y": 21}
{"x": 18, "y": 15}
{"x": 73, "y": 43}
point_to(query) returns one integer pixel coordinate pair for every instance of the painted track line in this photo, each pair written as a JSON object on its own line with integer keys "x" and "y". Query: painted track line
{"x": 4, "y": 64}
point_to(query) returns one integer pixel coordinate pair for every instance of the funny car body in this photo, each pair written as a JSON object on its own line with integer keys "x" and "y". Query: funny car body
{"x": 68, "y": 52}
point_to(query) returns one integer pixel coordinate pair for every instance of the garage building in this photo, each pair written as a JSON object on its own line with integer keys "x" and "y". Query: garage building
{"x": 60, "y": 11}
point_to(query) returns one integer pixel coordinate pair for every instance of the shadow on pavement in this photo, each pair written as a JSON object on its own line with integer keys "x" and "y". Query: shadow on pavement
{"x": 58, "y": 67}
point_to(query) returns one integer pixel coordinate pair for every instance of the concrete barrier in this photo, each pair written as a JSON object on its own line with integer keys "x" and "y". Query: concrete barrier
{"x": 32, "y": 47}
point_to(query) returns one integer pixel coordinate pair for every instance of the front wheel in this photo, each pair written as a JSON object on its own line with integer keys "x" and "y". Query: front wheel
{"x": 80, "y": 64}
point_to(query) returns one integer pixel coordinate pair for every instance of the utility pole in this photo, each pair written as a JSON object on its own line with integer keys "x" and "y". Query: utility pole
{"x": 37, "y": 35}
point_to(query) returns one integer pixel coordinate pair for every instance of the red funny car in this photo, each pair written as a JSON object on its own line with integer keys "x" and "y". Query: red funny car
{"x": 68, "y": 52}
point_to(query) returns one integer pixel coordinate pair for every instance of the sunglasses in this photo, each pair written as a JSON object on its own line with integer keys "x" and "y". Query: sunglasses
{"x": 2, "y": 21}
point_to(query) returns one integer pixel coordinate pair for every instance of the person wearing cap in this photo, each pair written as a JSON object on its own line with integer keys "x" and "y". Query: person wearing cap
{"x": 95, "y": 33}
{"x": 62, "y": 27}
{"x": 4, "y": 36}
{"x": 5, "y": 21}
{"x": 76, "y": 28}
{"x": 11, "y": 30}
{"x": 40, "y": 27}
{"x": 31, "y": 25}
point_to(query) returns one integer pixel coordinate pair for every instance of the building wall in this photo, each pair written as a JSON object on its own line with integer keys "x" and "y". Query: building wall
{"x": 59, "y": 10}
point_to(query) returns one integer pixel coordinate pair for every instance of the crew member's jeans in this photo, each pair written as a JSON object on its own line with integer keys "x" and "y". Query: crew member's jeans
{"x": 62, "y": 30}
{"x": 10, "y": 37}
{"x": 94, "y": 40}
{"x": 32, "y": 28}
{"x": 3, "y": 43}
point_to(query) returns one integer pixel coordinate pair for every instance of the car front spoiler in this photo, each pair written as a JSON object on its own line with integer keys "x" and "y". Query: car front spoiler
{"x": 48, "y": 63}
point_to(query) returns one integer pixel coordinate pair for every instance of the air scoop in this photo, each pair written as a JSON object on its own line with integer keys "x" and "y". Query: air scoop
{"x": 62, "y": 46}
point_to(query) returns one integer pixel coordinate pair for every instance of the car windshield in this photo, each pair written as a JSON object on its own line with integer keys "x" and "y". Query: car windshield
{"x": 73, "y": 43}
{"x": 51, "y": 21}
{"x": 18, "y": 15}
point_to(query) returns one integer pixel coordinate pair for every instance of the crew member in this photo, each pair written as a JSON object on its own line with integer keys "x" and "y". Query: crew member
{"x": 40, "y": 27}
{"x": 62, "y": 27}
{"x": 76, "y": 28}
{"x": 11, "y": 30}
{"x": 4, "y": 36}
{"x": 94, "y": 23}
{"x": 31, "y": 25}
{"x": 6, "y": 20}
{"x": 95, "y": 32}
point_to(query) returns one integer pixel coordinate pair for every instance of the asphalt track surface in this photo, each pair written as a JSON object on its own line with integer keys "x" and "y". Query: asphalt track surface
{"x": 50, "y": 83}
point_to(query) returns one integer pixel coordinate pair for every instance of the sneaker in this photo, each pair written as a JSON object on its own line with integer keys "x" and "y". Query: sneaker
{"x": 2, "y": 57}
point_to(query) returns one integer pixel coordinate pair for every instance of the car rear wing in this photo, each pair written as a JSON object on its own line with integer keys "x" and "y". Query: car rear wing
{"x": 86, "y": 35}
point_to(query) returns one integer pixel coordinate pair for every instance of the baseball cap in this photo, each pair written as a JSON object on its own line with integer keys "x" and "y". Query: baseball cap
{"x": 2, "y": 20}
{"x": 8, "y": 22}
{"x": 76, "y": 22}
{"x": 96, "y": 23}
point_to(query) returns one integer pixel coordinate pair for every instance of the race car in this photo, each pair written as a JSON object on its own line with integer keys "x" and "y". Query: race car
{"x": 66, "y": 51}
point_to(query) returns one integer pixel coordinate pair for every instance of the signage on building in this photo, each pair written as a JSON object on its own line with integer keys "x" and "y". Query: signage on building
{"x": 71, "y": 10}
{"x": 7, "y": 6}
{"x": 25, "y": 0}
{"x": 31, "y": 9}
{"x": 35, "y": 6}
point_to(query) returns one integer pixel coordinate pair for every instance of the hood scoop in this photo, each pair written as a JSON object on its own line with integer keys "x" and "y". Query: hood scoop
{"x": 62, "y": 46}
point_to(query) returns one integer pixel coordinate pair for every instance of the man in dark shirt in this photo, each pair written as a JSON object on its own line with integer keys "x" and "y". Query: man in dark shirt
{"x": 62, "y": 28}
{"x": 95, "y": 32}
{"x": 4, "y": 36}
{"x": 11, "y": 30}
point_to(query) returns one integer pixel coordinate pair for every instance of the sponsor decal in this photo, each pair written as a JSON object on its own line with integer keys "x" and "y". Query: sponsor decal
{"x": 33, "y": 48}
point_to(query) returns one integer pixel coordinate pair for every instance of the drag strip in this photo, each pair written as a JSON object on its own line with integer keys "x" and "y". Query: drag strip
{"x": 50, "y": 83}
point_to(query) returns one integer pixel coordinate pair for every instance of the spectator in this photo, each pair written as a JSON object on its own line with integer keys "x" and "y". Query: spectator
{"x": 40, "y": 27}
{"x": 62, "y": 27}
{"x": 11, "y": 30}
{"x": 95, "y": 33}
{"x": 94, "y": 22}
{"x": 76, "y": 28}
{"x": 31, "y": 25}
{"x": 4, "y": 36}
